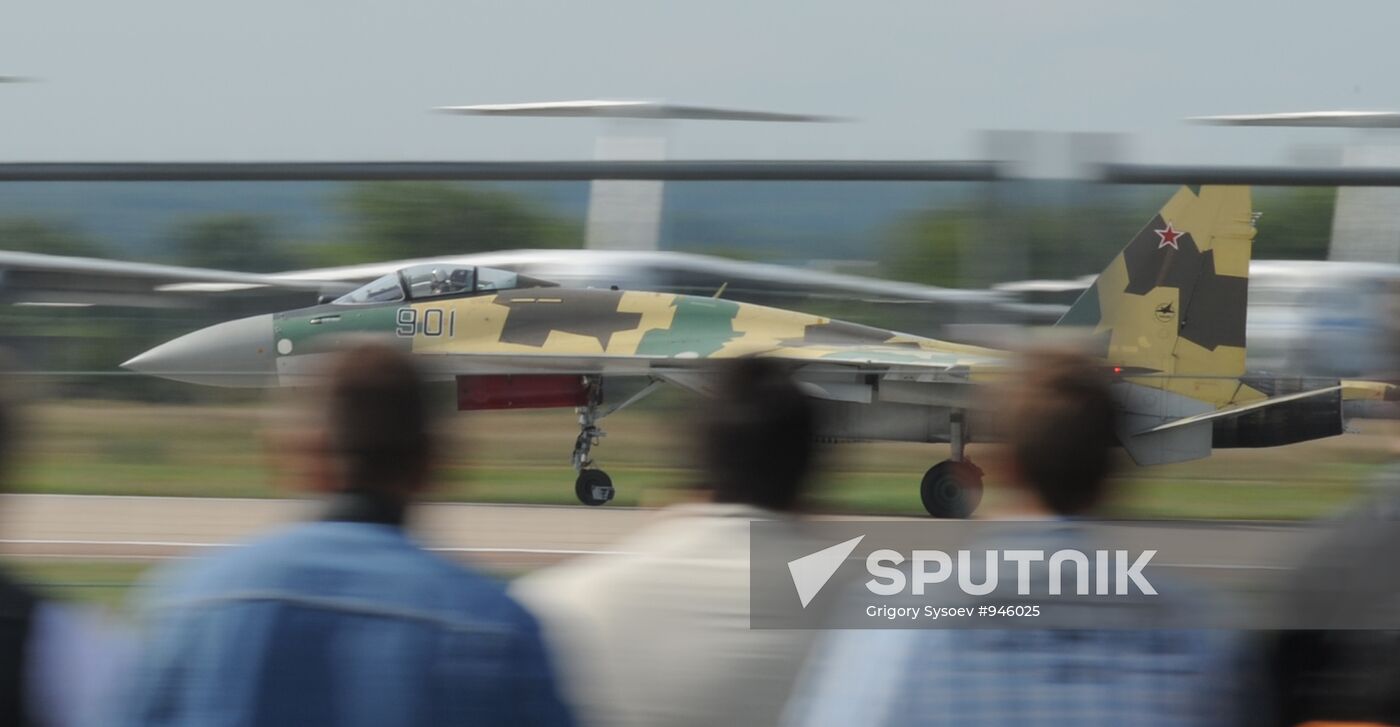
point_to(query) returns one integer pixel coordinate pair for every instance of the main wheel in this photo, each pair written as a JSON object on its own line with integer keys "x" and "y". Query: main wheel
{"x": 952, "y": 489}
{"x": 594, "y": 487}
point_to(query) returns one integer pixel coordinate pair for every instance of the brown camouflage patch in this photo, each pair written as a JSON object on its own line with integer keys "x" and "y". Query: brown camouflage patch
{"x": 533, "y": 316}
{"x": 1212, "y": 306}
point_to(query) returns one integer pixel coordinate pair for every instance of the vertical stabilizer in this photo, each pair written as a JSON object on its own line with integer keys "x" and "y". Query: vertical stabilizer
{"x": 1172, "y": 304}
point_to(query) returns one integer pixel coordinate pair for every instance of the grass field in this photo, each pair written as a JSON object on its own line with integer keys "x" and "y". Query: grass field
{"x": 103, "y": 447}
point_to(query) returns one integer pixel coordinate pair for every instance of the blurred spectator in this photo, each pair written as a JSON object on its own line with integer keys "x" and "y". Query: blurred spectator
{"x": 1347, "y": 668}
{"x": 1058, "y": 420}
{"x": 57, "y": 661}
{"x": 346, "y": 620}
{"x": 660, "y": 635}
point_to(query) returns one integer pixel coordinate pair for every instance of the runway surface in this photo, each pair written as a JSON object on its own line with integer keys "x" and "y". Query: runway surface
{"x": 82, "y": 526}
{"x": 504, "y": 536}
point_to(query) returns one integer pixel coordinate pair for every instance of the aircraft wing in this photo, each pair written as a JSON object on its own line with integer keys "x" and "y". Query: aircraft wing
{"x": 861, "y": 374}
{"x": 58, "y": 280}
{"x": 924, "y": 365}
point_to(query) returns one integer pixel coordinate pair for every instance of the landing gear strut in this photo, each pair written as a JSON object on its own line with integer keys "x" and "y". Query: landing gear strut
{"x": 953, "y": 488}
{"x": 593, "y": 487}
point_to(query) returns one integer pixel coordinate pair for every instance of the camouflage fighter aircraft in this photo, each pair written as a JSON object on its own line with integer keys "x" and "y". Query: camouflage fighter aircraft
{"x": 1167, "y": 316}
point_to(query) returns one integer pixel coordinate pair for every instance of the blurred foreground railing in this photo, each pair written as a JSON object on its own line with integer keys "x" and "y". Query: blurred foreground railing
{"x": 856, "y": 170}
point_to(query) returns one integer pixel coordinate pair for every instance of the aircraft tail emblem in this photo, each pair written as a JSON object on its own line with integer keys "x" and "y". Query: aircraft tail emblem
{"x": 1173, "y": 301}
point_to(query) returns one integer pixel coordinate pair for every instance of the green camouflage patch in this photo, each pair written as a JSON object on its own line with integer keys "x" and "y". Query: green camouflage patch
{"x": 701, "y": 327}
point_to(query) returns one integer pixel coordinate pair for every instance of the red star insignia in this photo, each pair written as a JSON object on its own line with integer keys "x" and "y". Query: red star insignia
{"x": 1168, "y": 236}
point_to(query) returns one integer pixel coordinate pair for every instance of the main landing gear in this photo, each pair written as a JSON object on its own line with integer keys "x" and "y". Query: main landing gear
{"x": 593, "y": 486}
{"x": 953, "y": 488}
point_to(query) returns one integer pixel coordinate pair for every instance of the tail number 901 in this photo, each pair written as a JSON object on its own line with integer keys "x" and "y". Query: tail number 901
{"x": 427, "y": 322}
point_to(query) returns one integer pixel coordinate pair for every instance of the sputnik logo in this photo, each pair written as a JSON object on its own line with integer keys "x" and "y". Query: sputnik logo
{"x": 810, "y": 573}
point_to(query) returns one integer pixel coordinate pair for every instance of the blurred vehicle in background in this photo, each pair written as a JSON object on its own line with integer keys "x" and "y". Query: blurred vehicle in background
{"x": 1324, "y": 317}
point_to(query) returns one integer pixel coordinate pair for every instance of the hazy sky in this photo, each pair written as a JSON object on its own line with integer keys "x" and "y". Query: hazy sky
{"x": 346, "y": 79}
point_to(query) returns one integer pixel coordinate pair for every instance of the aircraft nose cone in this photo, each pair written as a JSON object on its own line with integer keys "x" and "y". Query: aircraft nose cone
{"x": 236, "y": 353}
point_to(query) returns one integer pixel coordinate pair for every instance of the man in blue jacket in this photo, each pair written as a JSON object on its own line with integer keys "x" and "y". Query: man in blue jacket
{"x": 345, "y": 620}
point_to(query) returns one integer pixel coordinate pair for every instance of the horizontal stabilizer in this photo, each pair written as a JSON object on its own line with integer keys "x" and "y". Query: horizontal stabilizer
{"x": 1358, "y": 390}
{"x": 1237, "y": 410}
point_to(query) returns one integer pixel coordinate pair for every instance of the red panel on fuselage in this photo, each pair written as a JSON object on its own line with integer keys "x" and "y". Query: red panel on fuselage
{"x": 533, "y": 391}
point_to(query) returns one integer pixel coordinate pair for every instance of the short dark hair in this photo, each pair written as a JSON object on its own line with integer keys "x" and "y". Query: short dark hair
{"x": 758, "y": 440}
{"x": 1060, "y": 421}
{"x": 378, "y": 419}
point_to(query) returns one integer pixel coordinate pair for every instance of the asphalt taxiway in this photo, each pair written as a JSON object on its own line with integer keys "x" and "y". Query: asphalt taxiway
{"x": 83, "y": 526}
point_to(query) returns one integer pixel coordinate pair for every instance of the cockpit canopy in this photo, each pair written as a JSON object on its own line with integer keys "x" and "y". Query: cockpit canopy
{"x": 434, "y": 280}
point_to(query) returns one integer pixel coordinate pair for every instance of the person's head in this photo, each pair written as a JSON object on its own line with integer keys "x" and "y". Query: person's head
{"x": 1059, "y": 420}
{"x": 757, "y": 442}
{"x": 375, "y": 423}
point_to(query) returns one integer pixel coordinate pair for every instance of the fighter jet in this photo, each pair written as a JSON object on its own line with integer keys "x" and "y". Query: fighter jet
{"x": 1167, "y": 319}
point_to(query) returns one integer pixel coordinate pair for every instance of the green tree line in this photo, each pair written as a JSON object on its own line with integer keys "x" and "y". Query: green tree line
{"x": 381, "y": 221}
{"x": 942, "y": 247}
